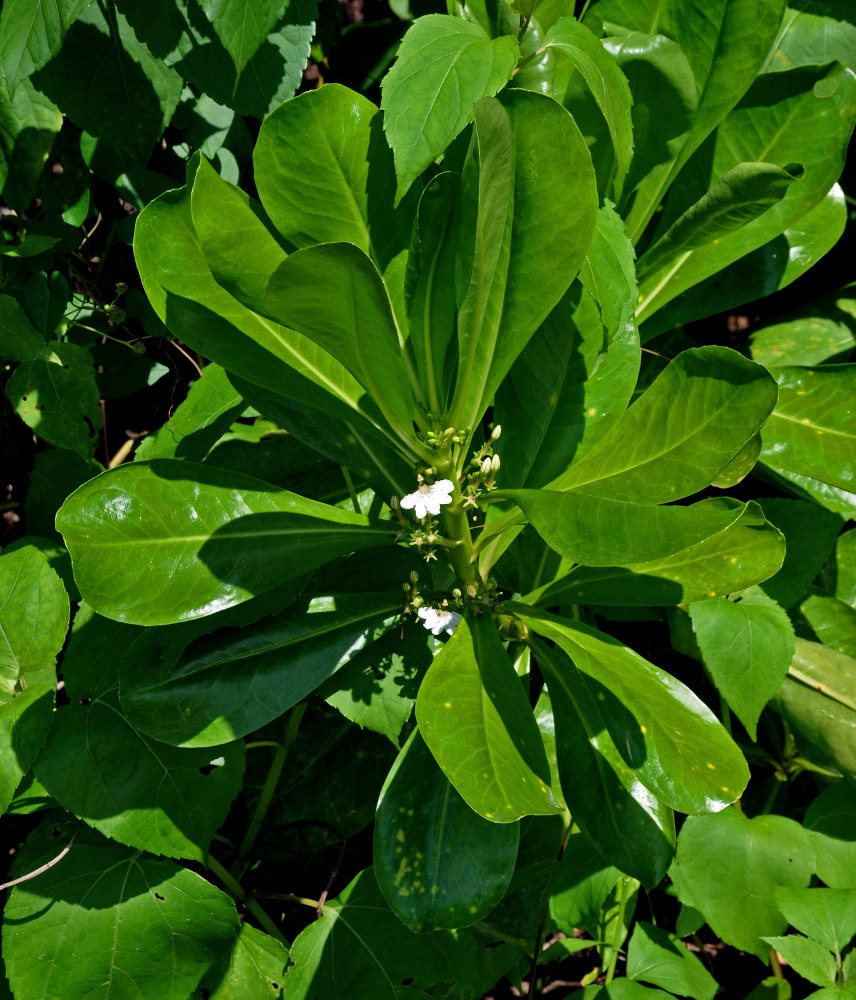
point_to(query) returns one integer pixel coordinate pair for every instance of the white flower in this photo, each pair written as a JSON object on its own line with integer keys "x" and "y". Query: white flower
{"x": 427, "y": 499}
{"x": 439, "y": 620}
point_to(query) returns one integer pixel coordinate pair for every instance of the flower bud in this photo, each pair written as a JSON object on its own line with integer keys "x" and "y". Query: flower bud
{"x": 494, "y": 434}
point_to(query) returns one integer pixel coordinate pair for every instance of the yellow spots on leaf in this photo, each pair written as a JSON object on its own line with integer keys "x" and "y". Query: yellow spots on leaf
{"x": 591, "y": 411}
{"x": 733, "y": 560}
{"x": 447, "y": 704}
{"x": 726, "y": 789}
{"x": 433, "y": 890}
{"x": 600, "y": 696}
{"x": 712, "y": 593}
{"x": 644, "y": 729}
{"x": 400, "y": 836}
{"x": 805, "y": 420}
{"x": 409, "y": 812}
{"x": 474, "y": 909}
{"x": 711, "y": 767}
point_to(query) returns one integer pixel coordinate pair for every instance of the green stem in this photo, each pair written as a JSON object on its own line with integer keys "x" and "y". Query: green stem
{"x": 265, "y": 799}
{"x": 352, "y": 493}
{"x": 776, "y": 965}
{"x": 615, "y": 948}
{"x": 236, "y": 890}
{"x": 533, "y": 973}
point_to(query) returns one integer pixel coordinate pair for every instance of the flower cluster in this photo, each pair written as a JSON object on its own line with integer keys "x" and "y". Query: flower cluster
{"x": 428, "y": 498}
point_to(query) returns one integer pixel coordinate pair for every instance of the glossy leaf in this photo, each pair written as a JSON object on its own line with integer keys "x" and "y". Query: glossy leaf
{"x": 818, "y": 699}
{"x": 348, "y": 195}
{"x": 256, "y": 968}
{"x": 747, "y": 645}
{"x": 745, "y": 552}
{"x": 779, "y": 120}
{"x": 662, "y": 447}
{"x": 439, "y": 864}
{"x": 758, "y": 854}
{"x": 29, "y": 123}
{"x": 236, "y": 680}
{"x": 474, "y": 717}
{"x": 31, "y": 33}
{"x": 812, "y": 430}
{"x": 625, "y": 823}
{"x": 608, "y": 272}
{"x": 211, "y": 406}
{"x": 742, "y": 194}
{"x": 810, "y": 532}
{"x": 25, "y": 721}
{"x": 574, "y": 525}
{"x": 137, "y": 94}
{"x": 333, "y": 295}
{"x": 671, "y": 741}
{"x": 807, "y": 37}
{"x": 763, "y": 271}
{"x": 520, "y": 216}
{"x": 242, "y": 26}
{"x": 832, "y": 621}
{"x": 816, "y": 332}
{"x": 119, "y": 526}
{"x": 655, "y": 956}
{"x": 444, "y": 67}
{"x": 607, "y": 84}
{"x": 845, "y": 569}
{"x": 107, "y": 913}
{"x": 187, "y": 298}
{"x": 831, "y": 822}
{"x": 59, "y": 401}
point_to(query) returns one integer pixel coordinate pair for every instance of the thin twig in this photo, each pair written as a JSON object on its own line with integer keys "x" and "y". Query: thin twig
{"x": 181, "y": 350}
{"x": 91, "y": 231}
{"x": 44, "y": 868}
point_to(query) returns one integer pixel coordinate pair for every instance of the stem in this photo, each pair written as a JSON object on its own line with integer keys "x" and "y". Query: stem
{"x": 352, "y": 493}
{"x": 619, "y": 930}
{"x": 776, "y": 965}
{"x": 236, "y": 890}
{"x": 524, "y": 24}
{"x": 290, "y": 898}
{"x": 533, "y": 973}
{"x": 291, "y": 727}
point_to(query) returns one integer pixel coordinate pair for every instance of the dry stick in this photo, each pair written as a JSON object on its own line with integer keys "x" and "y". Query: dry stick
{"x": 44, "y": 868}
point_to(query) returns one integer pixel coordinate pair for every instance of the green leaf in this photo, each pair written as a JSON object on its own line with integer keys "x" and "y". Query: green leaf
{"x": 59, "y": 401}
{"x": 439, "y": 864}
{"x": 33, "y": 621}
{"x": 660, "y": 958}
{"x": 818, "y": 700}
{"x": 136, "y": 96}
{"x": 106, "y": 913}
{"x": 812, "y": 430}
{"x": 607, "y": 84}
{"x": 475, "y": 719}
{"x": 804, "y": 116}
{"x": 378, "y": 686}
{"x": 571, "y": 523}
{"x": 187, "y": 298}
{"x": 32, "y": 33}
{"x": 217, "y": 537}
{"x": 831, "y": 822}
{"x": 608, "y": 272}
{"x": 747, "y": 645}
{"x": 763, "y": 271}
{"x": 746, "y": 551}
{"x": 807, "y": 38}
{"x": 348, "y": 197}
{"x": 625, "y": 823}
{"x": 382, "y": 954}
{"x": 845, "y": 569}
{"x": 758, "y": 854}
{"x": 771, "y": 988}
{"x": 25, "y": 720}
{"x": 581, "y": 885}
{"x": 333, "y": 295}
{"x": 807, "y": 958}
{"x": 816, "y": 332}
{"x": 827, "y": 915}
{"x": 242, "y": 26}
{"x": 663, "y": 447}
{"x": 256, "y": 969}
{"x": 810, "y": 532}
{"x": 236, "y": 680}
{"x": 671, "y": 741}
{"x": 832, "y": 621}
{"x": 741, "y": 195}
{"x": 28, "y": 125}
{"x": 132, "y": 789}
{"x": 444, "y": 66}
{"x": 211, "y": 406}
{"x": 527, "y": 210}
{"x": 54, "y": 475}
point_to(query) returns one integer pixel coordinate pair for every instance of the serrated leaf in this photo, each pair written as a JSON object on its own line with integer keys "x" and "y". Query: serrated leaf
{"x": 807, "y": 958}
{"x": 444, "y": 66}
{"x": 242, "y": 25}
{"x": 29, "y": 123}
{"x": 107, "y": 913}
{"x": 256, "y": 969}
{"x": 31, "y": 33}
{"x": 826, "y": 915}
{"x": 655, "y": 956}
{"x": 758, "y": 854}
{"x": 747, "y": 645}
{"x": 218, "y": 538}
{"x": 474, "y": 718}
{"x": 59, "y": 401}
